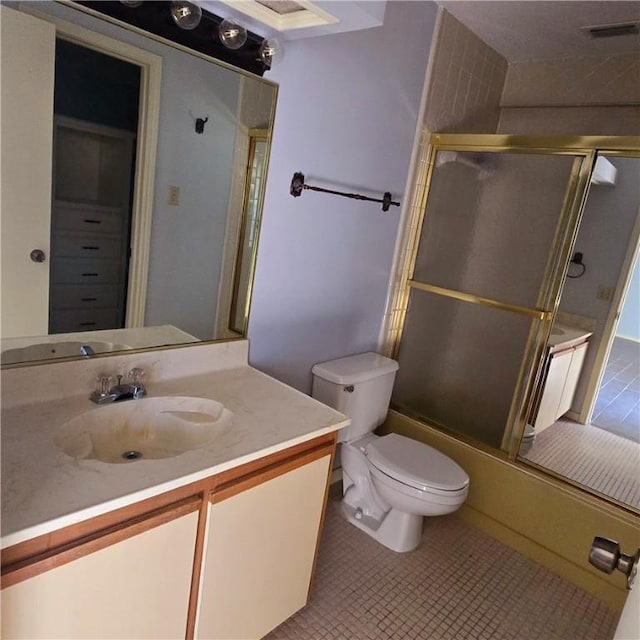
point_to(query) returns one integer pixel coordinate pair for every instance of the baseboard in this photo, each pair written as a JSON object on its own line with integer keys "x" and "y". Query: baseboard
{"x": 629, "y": 338}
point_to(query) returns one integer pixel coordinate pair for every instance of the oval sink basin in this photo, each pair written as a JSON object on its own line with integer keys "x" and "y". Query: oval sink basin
{"x": 145, "y": 429}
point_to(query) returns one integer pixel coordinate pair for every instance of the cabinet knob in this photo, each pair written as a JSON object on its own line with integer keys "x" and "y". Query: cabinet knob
{"x": 38, "y": 255}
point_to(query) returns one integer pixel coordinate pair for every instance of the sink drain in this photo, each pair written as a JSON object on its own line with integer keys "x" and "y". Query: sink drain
{"x": 131, "y": 455}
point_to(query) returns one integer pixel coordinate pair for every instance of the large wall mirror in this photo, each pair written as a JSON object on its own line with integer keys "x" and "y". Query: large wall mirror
{"x": 133, "y": 172}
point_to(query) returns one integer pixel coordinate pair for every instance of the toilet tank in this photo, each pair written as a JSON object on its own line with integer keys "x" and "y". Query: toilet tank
{"x": 359, "y": 386}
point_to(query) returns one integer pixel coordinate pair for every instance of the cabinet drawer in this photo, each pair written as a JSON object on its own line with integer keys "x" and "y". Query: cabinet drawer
{"x": 71, "y": 296}
{"x": 67, "y": 320}
{"x": 79, "y": 271}
{"x": 88, "y": 218}
{"x": 80, "y": 245}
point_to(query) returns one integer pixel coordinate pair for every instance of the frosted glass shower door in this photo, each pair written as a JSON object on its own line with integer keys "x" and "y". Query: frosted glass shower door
{"x": 483, "y": 285}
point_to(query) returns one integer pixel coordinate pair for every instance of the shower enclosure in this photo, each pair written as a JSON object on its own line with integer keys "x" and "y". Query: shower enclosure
{"x": 495, "y": 222}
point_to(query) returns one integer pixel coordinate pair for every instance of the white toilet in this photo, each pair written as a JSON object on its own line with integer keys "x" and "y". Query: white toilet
{"x": 390, "y": 482}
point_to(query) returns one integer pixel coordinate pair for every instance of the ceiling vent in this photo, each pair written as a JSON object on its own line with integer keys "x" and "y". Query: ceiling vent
{"x": 283, "y": 15}
{"x": 613, "y": 30}
{"x": 282, "y": 7}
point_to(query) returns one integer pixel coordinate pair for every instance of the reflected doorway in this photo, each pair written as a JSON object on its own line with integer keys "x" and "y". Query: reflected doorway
{"x": 617, "y": 407}
{"x": 596, "y": 444}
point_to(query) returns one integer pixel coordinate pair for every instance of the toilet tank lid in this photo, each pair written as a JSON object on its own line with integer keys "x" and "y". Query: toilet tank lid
{"x": 355, "y": 369}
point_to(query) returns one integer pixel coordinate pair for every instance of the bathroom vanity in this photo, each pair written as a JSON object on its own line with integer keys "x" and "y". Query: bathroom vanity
{"x": 216, "y": 542}
{"x": 566, "y": 351}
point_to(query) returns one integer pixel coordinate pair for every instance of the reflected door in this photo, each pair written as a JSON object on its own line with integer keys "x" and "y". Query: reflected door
{"x": 486, "y": 275}
{"x": 28, "y": 48}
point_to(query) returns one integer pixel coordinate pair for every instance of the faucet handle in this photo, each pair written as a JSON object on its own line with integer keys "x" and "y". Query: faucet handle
{"x": 136, "y": 375}
{"x": 102, "y": 393}
{"x": 103, "y": 385}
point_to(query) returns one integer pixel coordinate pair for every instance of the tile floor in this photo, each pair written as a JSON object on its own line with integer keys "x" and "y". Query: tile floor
{"x": 617, "y": 408}
{"x": 460, "y": 584}
{"x": 591, "y": 456}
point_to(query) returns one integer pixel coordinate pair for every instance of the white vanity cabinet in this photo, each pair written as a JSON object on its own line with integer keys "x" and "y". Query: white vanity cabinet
{"x": 228, "y": 556}
{"x": 130, "y": 582}
{"x": 260, "y": 550}
{"x": 564, "y": 366}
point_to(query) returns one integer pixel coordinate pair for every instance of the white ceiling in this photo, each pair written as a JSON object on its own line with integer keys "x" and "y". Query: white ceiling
{"x": 348, "y": 15}
{"x": 545, "y": 29}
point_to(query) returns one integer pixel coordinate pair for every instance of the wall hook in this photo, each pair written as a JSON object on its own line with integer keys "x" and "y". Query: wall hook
{"x": 298, "y": 185}
{"x": 200, "y": 124}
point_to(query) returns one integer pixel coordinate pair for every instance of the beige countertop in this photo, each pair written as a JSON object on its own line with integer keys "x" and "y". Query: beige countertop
{"x": 43, "y": 489}
{"x": 564, "y": 337}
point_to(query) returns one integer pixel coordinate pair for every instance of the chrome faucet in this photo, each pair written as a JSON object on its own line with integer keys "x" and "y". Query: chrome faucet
{"x": 131, "y": 390}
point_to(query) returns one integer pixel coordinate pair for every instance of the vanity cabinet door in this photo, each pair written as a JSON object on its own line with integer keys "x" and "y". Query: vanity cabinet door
{"x": 573, "y": 375}
{"x": 262, "y": 536}
{"x": 553, "y": 387}
{"x": 136, "y": 585}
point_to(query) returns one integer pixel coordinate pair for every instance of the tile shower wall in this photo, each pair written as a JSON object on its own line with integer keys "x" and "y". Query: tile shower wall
{"x": 463, "y": 96}
{"x": 582, "y": 96}
{"x": 467, "y": 79}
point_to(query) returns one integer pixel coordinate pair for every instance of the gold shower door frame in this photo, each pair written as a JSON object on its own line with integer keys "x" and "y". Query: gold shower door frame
{"x": 584, "y": 149}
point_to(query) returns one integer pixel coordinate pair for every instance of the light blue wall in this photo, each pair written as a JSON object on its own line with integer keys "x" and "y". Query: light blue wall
{"x": 629, "y": 323}
{"x": 346, "y": 117}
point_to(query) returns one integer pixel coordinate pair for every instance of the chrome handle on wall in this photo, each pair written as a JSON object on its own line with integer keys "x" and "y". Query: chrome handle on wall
{"x": 605, "y": 555}
{"x": 38, "y": 255}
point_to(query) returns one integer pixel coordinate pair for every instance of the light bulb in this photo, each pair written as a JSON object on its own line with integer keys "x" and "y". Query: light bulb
{"x": 231, "y": 34}
{"x": 186, "y": 14}
{"x": 271, "y": 51}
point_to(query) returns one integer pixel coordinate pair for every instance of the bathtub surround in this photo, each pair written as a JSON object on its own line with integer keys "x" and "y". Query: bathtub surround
{"x": 537, "y": 515}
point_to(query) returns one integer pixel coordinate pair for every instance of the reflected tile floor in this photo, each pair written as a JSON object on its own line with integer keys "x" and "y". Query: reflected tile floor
{"x": 460, "y": 584}
{"x": 617, "y": 407}
{"x": 591, "y": 456}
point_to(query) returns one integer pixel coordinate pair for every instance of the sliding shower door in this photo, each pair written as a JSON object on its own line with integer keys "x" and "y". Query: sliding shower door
{"x": 485, "y": 275}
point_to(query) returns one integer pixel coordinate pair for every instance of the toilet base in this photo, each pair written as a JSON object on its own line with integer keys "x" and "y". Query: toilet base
{"x": 399, "y": 531}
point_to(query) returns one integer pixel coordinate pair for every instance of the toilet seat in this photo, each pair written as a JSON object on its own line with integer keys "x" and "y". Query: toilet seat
{"x": 416, "y": 464}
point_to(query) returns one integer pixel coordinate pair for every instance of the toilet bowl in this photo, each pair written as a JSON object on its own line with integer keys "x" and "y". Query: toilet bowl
{"x": 391, "y": 482}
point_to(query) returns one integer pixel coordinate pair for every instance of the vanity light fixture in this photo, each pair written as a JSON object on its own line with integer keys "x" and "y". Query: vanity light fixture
{"x": 186, "y": 15}
{"x": 231, "y": 34}
{"x": 271, "y": 51}
{"x": 225, "y": 39}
